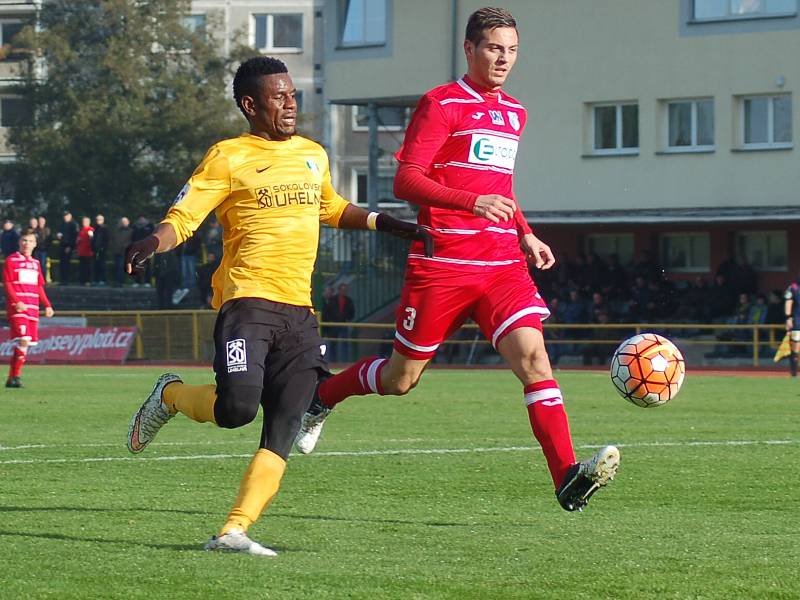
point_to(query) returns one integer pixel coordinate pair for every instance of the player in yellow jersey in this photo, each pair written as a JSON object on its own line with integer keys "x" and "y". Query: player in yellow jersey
{"x": 270, "y": 189}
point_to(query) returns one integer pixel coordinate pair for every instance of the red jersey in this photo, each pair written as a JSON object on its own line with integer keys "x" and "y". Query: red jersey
{"x": 466, "y": 139}
{"x": 23, "y": 281}
{"x": 84, "y": 243}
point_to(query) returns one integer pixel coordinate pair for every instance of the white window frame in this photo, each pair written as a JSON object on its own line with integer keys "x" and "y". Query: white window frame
{"x": 382, "y": 171}
{"x": 694, "y": 146}
{"x": 270, "y": 47}
{"x": 770, "y": 143}
{"x": 363, "y": 42}
{"x": 356, "y": 127}
{"x": 691, "y": 267}
{"x": 619, "y": 150}
{"x": 767, "y": 234}
{"x": 731, "y": 16}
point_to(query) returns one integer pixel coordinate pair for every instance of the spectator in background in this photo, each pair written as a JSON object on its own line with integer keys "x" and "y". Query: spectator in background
{"x": 166, "y": 270}
{"x": 44, "y": 238}
{"x": 120, "y": 239}
{"x": 340, "y": 308}
{"x": 721, "y": 299}
{"x": 67, "y": 236}
{"x": 213, "y": 237}
{"x": 775, "y": 314}
{"x": 617, "y": 278}
{"x": 142, "y": 228}
{"x": 553, "y": 336}
{"x": 100, "y": 242}
{"x": 204, "y": 274}
{"x": 601, "y": 351}
{"x": 9, "y": 239}
{"x": 188, "y": 266}
{"x": 327, "y": 294}
{"x": 84, "y": 249}
{"x": 748, "y": 278}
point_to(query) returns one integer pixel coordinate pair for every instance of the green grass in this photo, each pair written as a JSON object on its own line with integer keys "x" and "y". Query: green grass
{"x": 691, "y": 515}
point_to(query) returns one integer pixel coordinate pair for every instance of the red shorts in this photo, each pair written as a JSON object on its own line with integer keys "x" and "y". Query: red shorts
{"x": 24, "y": 327}
{"x": 436, "y": 301}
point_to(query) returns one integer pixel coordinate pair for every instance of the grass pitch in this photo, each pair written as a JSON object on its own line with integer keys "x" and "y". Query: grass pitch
{"x": 437, "y": 495}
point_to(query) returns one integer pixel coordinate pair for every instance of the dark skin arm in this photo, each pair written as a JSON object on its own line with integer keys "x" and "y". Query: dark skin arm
{"x": 164, "y": 237}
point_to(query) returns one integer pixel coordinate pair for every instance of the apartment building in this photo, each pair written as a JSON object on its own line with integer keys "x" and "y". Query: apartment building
{"x": 666, "y": 126}
{"x": 13, "y": 15}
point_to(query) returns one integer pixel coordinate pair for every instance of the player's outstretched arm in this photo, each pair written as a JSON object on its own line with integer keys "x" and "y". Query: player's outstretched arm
{"x": 162, "y": 239}
{"x": 354, "y": 217}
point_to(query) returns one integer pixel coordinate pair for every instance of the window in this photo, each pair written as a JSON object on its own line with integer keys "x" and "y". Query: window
{"x": 606, "y": 244}
{"x": 278, "y": 32}
{"x": 390, "y": 118}
{"x": 690, "y": 125}
{"x": 9, "y": 29}
{"x": 616, "y": 128}
{"x": 385, "y": 187}
{"x": 363, "y": 22}
{"x": 766, "y": 121}
{"x": 687, "y": 252}
{"x": 195, "y": 24}
{"x": 733, "y": 9}
{"x": 765, "y": 250}
{"x": 14, "y": 112}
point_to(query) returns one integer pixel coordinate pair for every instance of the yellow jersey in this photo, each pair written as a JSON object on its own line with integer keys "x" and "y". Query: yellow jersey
{"x": 269, "y": 197}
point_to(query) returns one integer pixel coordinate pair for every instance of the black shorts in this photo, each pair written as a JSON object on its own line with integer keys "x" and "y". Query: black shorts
{"x": 261, "y": 343}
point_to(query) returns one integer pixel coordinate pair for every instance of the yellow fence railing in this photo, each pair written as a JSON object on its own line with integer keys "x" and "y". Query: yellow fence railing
{"x": 187, "y": 335}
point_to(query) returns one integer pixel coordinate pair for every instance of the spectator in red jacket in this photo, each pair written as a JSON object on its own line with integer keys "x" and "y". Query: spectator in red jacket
{"x": 85, "y": 252}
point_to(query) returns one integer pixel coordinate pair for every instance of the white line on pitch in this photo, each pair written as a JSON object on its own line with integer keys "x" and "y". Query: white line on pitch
{"x": 406, "y": 451}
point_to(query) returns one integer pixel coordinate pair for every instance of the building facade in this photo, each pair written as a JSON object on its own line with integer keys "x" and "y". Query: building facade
{"x": 660, "y": 126}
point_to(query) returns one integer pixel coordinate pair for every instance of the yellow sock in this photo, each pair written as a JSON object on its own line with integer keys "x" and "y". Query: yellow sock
{"x": 194, "y": 401}
{"x": 259, "y": 485}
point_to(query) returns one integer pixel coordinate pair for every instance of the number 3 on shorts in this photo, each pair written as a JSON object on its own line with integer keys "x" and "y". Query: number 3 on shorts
{"x": 411, "y": 314}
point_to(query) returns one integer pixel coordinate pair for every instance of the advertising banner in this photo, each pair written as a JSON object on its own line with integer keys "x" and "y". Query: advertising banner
{"x": 75, "y": 345}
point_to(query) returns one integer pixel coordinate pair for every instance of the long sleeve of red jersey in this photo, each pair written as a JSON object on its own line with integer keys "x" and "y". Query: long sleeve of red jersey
{"x": 8, "y": 281}
{"x": 411, "y": 184}
{"x": 522, "y": 225}
{"x": 426, "y": 134}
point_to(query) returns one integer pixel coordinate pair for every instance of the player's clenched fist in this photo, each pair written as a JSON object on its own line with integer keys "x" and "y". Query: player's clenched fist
{"x": 137, "y": 253}
{"x": 494, "y": 207}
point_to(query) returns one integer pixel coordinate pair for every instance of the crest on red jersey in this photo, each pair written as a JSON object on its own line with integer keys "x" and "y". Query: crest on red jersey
{"x": 513, "y": 119}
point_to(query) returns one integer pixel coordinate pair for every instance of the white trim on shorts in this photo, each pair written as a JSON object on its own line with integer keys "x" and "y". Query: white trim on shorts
{"x": 542, "y": 311}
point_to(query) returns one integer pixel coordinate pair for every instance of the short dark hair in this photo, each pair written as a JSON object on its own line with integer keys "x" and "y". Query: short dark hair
{"x": 248, "y": 76}
{"x": 487, "y": 18}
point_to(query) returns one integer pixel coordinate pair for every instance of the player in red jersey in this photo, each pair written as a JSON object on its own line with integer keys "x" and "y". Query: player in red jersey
{"x": 24, "y": 285}
{"x": 457, "y": 163}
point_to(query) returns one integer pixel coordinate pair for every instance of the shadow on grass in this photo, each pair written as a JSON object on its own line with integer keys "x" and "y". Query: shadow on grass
{"x": 75, "y": 538}
{"x": 149, "y": 509}
{"x": 367, "y": 520}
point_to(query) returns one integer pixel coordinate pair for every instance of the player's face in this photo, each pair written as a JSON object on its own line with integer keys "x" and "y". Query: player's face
{"x": 26, "y": 245}
{"x": 490, "y": 62}
{"x": 273, "y": 111}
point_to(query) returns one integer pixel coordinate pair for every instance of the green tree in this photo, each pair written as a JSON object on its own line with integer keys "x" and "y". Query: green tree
{"x": 124, "y": 100}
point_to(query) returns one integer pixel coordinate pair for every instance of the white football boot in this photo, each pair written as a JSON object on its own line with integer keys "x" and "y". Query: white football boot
{"x": 151, "y": 416}
{"x": 236, "y": 540}
{"x": 311, "y": 427}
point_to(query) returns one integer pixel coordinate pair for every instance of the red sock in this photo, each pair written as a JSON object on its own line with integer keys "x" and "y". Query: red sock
{"x": 17, "y": 361}
{"x": 550, "y": 426}
{"x": 363, "y": 378}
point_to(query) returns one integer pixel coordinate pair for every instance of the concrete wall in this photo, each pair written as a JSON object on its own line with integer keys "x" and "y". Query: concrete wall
{"x": 574, "y": 53}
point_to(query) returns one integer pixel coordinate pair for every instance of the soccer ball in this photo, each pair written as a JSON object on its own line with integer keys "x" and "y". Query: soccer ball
{"x": 647, "y": 370}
